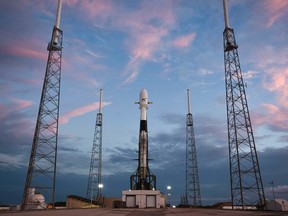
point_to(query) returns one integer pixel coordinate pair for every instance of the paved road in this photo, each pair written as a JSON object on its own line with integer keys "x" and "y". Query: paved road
{"x": 141, "y": 212}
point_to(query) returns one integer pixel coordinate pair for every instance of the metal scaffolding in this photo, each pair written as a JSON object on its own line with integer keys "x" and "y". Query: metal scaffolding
{"x": 41, "y": 173}
{"x": 94, "y": 188}
{"x": 192, "y": 186}
{"x": 246, "y": 182}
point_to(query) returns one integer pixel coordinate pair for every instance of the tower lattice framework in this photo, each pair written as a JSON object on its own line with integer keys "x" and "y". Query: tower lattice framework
{"x": 192, "y": 186}
{"x": 41, "y": 173}
{"x": 94, "y": 188}
{"x": 245, "y": 177}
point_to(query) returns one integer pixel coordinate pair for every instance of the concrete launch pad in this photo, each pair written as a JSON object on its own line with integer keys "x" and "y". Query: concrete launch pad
{"x": 141, "y": 212}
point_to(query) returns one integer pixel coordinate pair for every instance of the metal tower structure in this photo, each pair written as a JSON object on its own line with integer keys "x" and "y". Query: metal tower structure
{"x": 192, "y": 186}
{"x": 41, "y": 173}
{"x": 245, "y": 177}
{"x": 94, "y": 188}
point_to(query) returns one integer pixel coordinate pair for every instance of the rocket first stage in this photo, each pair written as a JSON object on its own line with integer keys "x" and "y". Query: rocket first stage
{"x": 143, "y": 179}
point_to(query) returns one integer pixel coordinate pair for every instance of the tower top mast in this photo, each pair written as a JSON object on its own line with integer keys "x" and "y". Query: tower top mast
{"x": 100, "y": 101}
{"x": 57, "y": 23}
{"x": 226, "y": 14}
{"x": 188, "y": 95}
{"x": 58, "y": 16}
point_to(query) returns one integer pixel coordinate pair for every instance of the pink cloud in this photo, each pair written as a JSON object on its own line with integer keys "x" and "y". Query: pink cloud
{"x": 275, "y": 115}
{"x": 97, "y": 7}
{"x": 80, "y": 111}
{"x": 93, "y": 9}
{"x": 16, "y": 105}
{"x": 146, "y": 38}
{"x": 146, "y": 26}
{"x": 184, "y": 40}
{"x": 21, "y": 104}
{"x": 276, "y": 80}
{"x": 276, "y": 10}
{"x": 143, "y": 49}
{"x": 272, "y": 116}
{"x": 21, "y": 51}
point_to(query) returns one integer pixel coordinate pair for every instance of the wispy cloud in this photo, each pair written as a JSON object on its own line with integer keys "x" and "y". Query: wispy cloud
{"x": 16, "y": 105}
{"x": 92, "y": 9}
{"x": 12, "y": 161}
{"x": 275, "y": 115}
{"x": 80, "y": 111}
{"x": 250, "y": 74}
{"x": 143, "y": 49}
{"x": 184, "y": 41}
{"x": 20, "y": 51}
{"x": 144, "y": 44}
{"x": 276, "y": 80}
{"x": 94, "y": 54}
{"x": 146, "y": 34}
{"x": 276, "y": 10}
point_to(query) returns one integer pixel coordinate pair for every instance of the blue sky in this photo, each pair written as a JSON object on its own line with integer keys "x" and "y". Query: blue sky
{"x": 122, "y": 46}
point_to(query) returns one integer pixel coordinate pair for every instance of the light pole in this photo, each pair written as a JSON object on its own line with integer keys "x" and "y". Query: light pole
{"x": 100, "y": 186}
{"x": 169, "y": 194}
{"x": 92, "y": 190}
{"x": 99, "y": 195}
{"x": 91, "y": 193}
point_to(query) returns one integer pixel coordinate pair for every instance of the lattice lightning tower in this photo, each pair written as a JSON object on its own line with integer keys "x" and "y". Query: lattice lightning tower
{"x": 192, "y": 189}
{"x": 41, "y": 173}
{"x": 95, "y": 174}
{"x": 246, "y": 182}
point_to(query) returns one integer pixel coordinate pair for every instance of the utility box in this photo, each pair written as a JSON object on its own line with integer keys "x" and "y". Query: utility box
{"x": 143, "y": 199}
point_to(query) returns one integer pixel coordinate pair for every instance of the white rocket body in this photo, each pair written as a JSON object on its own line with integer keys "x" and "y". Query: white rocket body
{"x": 143, "y": 179}
{"x": 143, "y": 104}
{"x": 143, "y": 137}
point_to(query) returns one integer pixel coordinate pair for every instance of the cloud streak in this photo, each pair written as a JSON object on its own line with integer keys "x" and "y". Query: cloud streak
{"x": 276, "y": 9}
{"x": 184, "y": 41}
{"x": 16, "y": 105}
{"x": 65, "y": 118}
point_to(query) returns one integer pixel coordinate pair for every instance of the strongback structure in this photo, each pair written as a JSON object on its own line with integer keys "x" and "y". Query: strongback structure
{"x": 94, "y": 188}
{"x": 246, "y": 182}
{"x": 143, "y": 179}
{"x": 192, "y": 186}
{"x": 41, "y": 173}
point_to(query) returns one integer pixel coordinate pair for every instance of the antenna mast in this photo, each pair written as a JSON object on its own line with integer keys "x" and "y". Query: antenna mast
{"x": 41, "y": 173}
{"x": 192, "y": 189}
{"x": 226, "y": 20}
{"x": 94, "y": 188}
{"x": 188, "y": 96}
{"x": 100, "y": 101}
{"x": 246, "y": 182}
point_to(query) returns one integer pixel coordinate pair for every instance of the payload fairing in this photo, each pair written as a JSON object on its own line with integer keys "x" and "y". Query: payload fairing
{"x": 143, "y": 179}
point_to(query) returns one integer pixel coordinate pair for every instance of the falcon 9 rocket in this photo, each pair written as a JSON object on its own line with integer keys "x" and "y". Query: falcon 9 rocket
{"x": 143, "y": 179}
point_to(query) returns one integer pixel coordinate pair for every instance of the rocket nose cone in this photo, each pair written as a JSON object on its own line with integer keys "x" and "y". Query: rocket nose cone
{"x": 143, "y": 93}
{"x": 143, "y": 96}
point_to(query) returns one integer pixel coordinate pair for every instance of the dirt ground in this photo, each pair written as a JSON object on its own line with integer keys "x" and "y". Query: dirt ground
{"x": 140, "y": 212}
